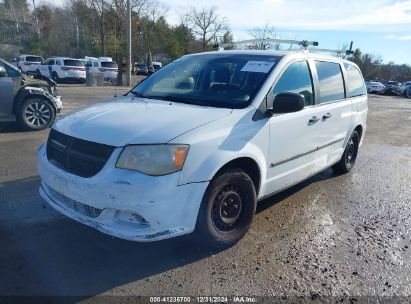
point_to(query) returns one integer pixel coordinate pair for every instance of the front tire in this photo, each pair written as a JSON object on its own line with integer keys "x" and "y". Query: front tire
{"x": 36, "y": 113}
{"x": 349, "y": 156}
{"x": 227, "y": 209}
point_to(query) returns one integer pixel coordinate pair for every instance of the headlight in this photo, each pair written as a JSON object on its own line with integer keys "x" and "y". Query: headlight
{"x": 153, "y": 159}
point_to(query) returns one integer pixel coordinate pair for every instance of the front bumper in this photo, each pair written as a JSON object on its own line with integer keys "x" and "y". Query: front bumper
{"x": 123, "y": 203}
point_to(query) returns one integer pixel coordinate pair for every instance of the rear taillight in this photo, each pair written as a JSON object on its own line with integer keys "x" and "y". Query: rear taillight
{"x": 27, "y": 63}
{"x": 102, "y": 70}
{"x": 72, "y": 68}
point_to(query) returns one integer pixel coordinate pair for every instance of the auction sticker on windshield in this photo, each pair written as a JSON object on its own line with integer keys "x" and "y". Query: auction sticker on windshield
{"x": 257, "y": 66}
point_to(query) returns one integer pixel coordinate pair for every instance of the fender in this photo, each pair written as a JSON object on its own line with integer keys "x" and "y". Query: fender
{"x": 33, "y": 92}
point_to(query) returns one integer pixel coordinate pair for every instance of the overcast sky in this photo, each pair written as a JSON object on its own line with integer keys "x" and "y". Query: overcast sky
{"x": 382, "y": 27}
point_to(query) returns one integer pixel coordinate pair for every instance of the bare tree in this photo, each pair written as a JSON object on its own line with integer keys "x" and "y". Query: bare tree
{"x": 207, "y": 24}
{"x": 264, "y": 33}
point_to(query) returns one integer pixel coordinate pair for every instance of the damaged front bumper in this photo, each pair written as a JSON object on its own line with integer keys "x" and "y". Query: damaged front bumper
{"x": 123, "y": 203}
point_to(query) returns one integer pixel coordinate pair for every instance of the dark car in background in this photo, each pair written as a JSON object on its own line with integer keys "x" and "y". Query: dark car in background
{"x": 31, "y": 100}
{"x": 140, "y": 69}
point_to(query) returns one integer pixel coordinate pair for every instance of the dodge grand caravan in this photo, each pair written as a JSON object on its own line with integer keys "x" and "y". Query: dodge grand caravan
{"x": 194, "y": 147}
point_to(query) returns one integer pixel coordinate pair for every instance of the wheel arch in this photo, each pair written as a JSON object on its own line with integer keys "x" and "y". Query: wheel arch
{"x": 27, "y": 93}
{"x": 248, "y": 165}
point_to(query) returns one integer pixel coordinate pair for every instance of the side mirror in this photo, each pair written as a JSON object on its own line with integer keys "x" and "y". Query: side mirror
{"x": 3, "y": 72}
{"x": 287, "y": 103}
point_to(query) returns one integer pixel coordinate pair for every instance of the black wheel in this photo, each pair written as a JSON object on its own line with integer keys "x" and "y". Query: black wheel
{"x": 349, "y": 156}
{"x": 227, "y": 209}
{"x": 55, "y": 77}
{"x": 36, "y": 114}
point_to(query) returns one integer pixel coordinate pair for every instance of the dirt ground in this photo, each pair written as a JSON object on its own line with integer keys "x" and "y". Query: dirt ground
{"x": 331, "y": 238}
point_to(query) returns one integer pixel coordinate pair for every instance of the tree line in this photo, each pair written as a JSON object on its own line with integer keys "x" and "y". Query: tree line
{"x": 96, "y": 28}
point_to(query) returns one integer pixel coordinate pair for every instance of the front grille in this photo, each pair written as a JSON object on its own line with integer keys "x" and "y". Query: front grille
{"x": 80, "y": 157}
{"x": 74, "y": 205}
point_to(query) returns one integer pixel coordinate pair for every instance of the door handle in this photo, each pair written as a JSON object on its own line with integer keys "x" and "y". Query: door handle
{"x": 314, "y": 119}
{"x": 328, "y": 115}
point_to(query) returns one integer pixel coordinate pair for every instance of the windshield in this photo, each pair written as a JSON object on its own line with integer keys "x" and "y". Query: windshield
{"x": 217, "y": 80}
{"x": 71, "y": 62}
{"x": 109, "y": 65}
{"x": 34, "y": 59}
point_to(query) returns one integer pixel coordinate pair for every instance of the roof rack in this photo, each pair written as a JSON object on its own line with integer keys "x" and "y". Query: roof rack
{"x": 303, "y": 43}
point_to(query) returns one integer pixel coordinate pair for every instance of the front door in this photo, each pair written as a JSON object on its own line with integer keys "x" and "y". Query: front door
{"x": 293, "y": 136}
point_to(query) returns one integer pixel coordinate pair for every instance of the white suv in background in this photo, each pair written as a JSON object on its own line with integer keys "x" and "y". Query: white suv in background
{"x": 374, "y": 86}
{"x": 104, "y": 65}
{"x": 63, "y": 69}
{"x": 196, "y": 145}
{"x": 27, "y": 63}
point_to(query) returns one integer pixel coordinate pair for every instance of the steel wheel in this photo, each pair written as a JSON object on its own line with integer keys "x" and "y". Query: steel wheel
{"x": 349, "y": 156}
{"x": 227, "y": 210}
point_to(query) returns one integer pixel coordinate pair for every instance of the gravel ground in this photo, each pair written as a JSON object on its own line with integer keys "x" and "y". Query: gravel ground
{"x": 329, "y": 239}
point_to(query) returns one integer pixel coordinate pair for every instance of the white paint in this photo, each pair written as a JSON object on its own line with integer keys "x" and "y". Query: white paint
{"x": 215, "y": 135}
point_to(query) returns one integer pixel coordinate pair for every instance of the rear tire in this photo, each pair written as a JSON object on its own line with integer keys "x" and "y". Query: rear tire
{"x": 349, "y": 156}
{"x": 35, "y": 113}
{"x": 227, "y": 209}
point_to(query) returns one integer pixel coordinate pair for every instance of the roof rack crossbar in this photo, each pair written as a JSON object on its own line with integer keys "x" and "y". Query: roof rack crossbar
{"x": 303, "y": 43}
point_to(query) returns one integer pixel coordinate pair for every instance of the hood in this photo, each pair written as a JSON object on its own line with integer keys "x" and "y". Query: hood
{"x": 130, "y": 120}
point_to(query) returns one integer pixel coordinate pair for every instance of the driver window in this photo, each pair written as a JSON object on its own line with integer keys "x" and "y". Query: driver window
{"x": 296, "y": 79}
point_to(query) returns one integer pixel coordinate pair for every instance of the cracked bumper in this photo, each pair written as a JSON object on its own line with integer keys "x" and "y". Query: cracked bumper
{"x": 123, "y": 203}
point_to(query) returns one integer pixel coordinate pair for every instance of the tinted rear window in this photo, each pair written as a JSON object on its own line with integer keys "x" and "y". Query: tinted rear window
{"x": 109, "y": 65}
{"x": 331, "y": 81}
{"x": 70, "y": 62}
{"x": 355, "y": 82}
{"x": 34, "y": 59}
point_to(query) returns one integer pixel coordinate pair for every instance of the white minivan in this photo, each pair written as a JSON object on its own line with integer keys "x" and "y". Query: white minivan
{"x": 196, "y": 145}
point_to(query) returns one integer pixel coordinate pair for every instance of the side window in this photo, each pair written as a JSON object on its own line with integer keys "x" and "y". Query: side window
{"x": 96, "y": 64}
{"x": 51, "y": 62}
{"x": 296, "y": 79}
{"x": 331, "y": 81}
{"x": 58, "y": 62}
{"x": 355, "y": 82}
{"x": 88, "y": 64}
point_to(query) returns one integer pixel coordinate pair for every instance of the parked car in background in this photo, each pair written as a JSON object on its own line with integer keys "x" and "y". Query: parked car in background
{"x": 104, "y": 65}
{"x": 63, "y": 69}
{"x": 403, "y": 87}
{"x": 374, "y": 86}
{"x": 140, "y": 69}
{"x": 184, "y": 152}
{"x": 407, "y": 91}
{"x": 155, "y": 66}
{"x": 27, "y": 63}
{"x": 31, "y": 100}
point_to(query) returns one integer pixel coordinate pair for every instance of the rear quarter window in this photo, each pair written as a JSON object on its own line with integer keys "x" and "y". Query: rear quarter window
{"x": 331, "y": 81}
{"x": 354, "y": 80}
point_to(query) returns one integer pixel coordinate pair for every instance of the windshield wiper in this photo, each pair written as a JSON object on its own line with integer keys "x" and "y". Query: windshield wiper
{"x": 137, "y": 94}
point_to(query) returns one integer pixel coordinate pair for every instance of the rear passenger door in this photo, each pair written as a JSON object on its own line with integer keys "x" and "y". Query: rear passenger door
{"x": 293, "y": 136}
{"x": 336, "y": 111}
